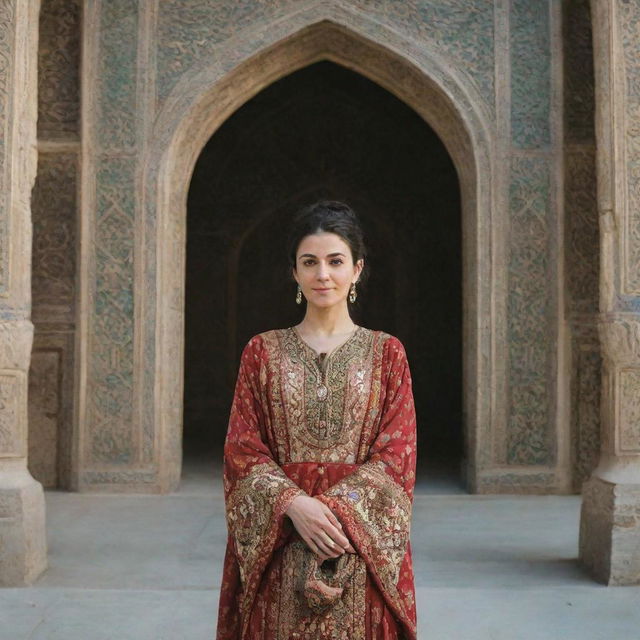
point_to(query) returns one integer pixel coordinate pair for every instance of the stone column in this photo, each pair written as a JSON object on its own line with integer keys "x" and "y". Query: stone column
{"x": 22, "y": 510}
{"x": 610, "y": 518}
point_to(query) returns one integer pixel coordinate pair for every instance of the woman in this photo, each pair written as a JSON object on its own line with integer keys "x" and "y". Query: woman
{"x": 319, "y": 462}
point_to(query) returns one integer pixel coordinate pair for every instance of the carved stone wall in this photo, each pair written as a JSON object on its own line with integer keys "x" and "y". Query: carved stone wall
{"x": 23, "y": 544}
{"x": 582, "y": 238}
{"x": 55, "y": 243}
{"x": 486, "y": 76}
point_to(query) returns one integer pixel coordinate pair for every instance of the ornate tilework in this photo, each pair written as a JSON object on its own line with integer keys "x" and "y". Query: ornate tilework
{"x": 530, "y": 74}
{"x": 529, "y": 321}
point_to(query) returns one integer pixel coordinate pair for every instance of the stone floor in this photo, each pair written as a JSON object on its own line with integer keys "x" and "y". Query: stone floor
{"x": 143, "y": 567}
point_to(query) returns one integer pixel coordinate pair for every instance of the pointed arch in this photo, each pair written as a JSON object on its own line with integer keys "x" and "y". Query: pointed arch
{"x": 206, "y": 96}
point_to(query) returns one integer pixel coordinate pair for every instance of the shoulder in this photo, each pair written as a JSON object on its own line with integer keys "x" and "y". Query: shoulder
{"x": 259, "y": 343}
{"x": 391, "y": 345}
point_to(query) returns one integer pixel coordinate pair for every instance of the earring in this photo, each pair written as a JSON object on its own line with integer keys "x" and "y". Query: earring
{"x": 352, "y": 293}
{"x": 299, "y": 296}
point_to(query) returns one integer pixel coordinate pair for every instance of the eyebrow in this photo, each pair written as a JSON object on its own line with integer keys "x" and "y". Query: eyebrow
{"x": 329, "y": 255}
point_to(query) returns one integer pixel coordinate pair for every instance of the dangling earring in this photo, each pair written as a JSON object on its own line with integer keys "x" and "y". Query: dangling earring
{"x": 299, "y": 296}
{"x": 352, "y": 293}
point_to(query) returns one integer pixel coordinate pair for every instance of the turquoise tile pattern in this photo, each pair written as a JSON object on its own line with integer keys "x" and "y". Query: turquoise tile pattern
{"x": 529, "y": 312}
{"x": 530, "y": 44}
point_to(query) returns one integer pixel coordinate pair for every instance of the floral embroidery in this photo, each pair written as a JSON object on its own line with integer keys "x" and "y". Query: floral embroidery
{"x": 384, "y": 509}
{"x": 309, "y": 615}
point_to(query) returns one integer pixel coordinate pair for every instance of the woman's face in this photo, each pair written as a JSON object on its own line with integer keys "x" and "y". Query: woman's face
{"x": 324, "y": 269}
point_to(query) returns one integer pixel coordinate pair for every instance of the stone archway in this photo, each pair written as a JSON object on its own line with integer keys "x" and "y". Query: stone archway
{"x": 203, "y": 100}
{"x": 324, "y": 131}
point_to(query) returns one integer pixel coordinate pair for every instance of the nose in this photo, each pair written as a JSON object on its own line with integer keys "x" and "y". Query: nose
{"x": 323, "y": 271}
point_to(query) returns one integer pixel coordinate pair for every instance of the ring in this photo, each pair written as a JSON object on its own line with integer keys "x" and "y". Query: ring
{"x": 328, "y": 537}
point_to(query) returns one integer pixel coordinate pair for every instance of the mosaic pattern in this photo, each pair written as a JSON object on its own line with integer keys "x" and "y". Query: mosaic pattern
{"x": 190, "y": 31}
{"x": 58, "y": 69}
{"x": 530, "y": 74}
{"x": 529, "y": 326}
{"x": 6, "y": 46}
{"x": 117, "y": 75}
{"x": 112, "y": 320}
{"x": 629, "y": 27}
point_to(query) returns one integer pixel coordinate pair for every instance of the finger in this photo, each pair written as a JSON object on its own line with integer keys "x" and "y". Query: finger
{"x": 316, "y": 548}
{"x": 330, "y": 542}
{"x": 337, "y": 535}
{"x": 331, "y": 516}
{"x": 313, "y": 546}
{"x": 326, "y": 548}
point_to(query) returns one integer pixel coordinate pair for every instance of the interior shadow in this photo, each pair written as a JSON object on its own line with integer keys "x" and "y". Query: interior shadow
{"x": 326, "y": 132}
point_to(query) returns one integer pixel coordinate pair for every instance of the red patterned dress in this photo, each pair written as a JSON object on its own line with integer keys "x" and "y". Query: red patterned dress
{"x": 341, "y": 428}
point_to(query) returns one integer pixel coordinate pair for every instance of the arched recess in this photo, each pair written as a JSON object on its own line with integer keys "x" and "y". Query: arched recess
{"x": 204, "y": 99}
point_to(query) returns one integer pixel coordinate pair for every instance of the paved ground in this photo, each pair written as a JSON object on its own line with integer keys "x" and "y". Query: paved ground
{"x": 148, "y": 568}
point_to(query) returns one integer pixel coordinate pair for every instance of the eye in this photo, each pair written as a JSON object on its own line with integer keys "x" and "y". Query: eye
{"x": 336, "y": 261}
{"x": 308, "y": 262}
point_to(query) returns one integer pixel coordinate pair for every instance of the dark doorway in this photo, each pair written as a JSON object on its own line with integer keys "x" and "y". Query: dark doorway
{"x": 326, "y": 132}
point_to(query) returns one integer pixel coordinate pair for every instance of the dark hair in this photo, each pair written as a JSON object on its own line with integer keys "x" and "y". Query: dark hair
{"x": 333, "y": 217}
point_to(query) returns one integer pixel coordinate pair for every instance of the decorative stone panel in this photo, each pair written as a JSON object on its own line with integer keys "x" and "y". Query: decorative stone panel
{"x": 117, "y": 73}
{"x": 582, "y": 231}
{"x": 529, "y": 313}
{"x": 59, "y": 69}
{"x": 530, "y": 51}
{"x": 628, "y": 28}
{"x": 191, "y": 31}
{"x": 111, "y": 437}
{"x": 586, "y": 372}
{"x": 629, "y": 411}
{"x": 7, "y": 24}
{"x": 13, "y": 419}
{"x": 45, "y": 376}
{"x": 54, "y": 238}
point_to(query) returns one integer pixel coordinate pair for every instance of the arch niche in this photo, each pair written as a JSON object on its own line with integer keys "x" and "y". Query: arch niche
{"x": 205, "y": 98}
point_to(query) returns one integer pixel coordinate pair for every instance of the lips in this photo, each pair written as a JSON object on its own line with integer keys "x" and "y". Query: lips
{"x": 329, "y": 289}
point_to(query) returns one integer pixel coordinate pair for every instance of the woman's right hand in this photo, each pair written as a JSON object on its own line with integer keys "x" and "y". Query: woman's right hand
{"x": 314, "y": 521}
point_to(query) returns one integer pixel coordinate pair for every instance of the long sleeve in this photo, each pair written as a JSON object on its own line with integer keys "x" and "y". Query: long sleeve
{"x": 374, "y": 502}
{"x": 257, "y": 493}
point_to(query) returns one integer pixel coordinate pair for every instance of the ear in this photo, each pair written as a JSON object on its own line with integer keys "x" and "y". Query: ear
{"x": 359, "y": 267}
{"x": 294, "y": 274}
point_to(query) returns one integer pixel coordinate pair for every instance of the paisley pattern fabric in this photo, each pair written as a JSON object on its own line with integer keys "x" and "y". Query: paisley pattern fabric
{"x": 342, "y": 428}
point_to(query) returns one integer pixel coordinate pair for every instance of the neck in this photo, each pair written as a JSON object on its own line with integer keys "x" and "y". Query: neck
{"x": 327, "y": 321}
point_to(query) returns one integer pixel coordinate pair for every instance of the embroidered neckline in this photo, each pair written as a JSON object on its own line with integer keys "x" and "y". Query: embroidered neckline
{"x": 324, "y": 356}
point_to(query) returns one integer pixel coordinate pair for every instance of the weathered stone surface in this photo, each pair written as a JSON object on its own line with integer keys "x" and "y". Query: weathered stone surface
{"x": 610, "y": 531}
{"x": 45, "y": 376}
{"x": 22, "y": 533}
{"x": 23, "y": 551}
{"x": 610, "y": 526}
